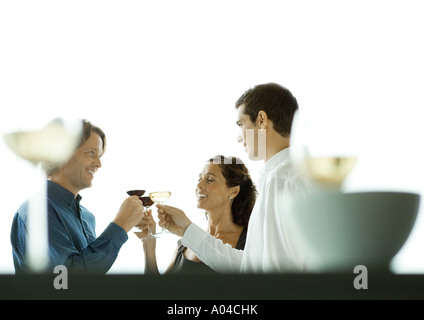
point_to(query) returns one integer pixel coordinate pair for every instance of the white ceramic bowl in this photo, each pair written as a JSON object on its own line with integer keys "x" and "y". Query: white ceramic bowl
{"x": 345, "y": 230}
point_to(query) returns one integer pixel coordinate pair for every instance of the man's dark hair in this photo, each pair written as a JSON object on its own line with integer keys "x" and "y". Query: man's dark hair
{"x": 277, "y": 101}
{"x": 87, "y": 130}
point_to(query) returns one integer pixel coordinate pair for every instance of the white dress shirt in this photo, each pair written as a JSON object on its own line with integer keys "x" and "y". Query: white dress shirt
{"x": 272, "y": 243}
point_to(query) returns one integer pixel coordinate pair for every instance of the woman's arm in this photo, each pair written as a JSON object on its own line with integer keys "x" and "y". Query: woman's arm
{"x": 150, "y": 264}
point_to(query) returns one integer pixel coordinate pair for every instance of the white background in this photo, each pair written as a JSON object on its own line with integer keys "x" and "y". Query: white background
{"x": 161, "y": 78}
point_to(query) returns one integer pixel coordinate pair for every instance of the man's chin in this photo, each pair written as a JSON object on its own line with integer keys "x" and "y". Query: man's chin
{"x": 88, "y": 184}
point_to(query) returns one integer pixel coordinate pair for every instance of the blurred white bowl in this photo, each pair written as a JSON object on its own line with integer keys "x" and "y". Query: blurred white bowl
{"x": 345, "y": 230}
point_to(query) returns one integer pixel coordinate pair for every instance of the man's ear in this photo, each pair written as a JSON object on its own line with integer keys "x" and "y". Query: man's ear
{"x": 262, "y": 120}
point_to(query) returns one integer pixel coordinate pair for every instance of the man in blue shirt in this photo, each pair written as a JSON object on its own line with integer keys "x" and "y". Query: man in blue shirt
{"x": 71, "y": 227}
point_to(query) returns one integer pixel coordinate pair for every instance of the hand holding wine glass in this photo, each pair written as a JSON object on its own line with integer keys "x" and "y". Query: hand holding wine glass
{"x": 147, "y": 225}
{"x": 129, "y": 214}
{"x": 173, "y": 219}
{"x": 147, "y": 219}
{"x": 147, "y": 202}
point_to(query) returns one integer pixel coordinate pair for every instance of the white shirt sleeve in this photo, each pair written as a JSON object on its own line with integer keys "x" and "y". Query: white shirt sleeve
{"x": 211, "y": 251}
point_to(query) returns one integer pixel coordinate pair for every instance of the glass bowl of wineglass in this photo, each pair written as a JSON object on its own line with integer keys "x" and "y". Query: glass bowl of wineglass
{"x": 323, "y": 148}
{"x": 138, "y": 193}
{"x": 160, "y": 197}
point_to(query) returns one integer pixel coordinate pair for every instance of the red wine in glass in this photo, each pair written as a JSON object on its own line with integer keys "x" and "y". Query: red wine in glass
{"x": 147, "y": 202}
{"x": 136, "y": 192}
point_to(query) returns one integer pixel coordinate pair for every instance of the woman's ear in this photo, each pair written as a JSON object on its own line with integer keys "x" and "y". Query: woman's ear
{"x": 234, "y": 191}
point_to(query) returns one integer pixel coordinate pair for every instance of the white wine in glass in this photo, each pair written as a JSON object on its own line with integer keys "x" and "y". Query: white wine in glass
{"x": 323, "y": 148}
{"x": 160, "y": 197}
{"x": 330, "y": 171}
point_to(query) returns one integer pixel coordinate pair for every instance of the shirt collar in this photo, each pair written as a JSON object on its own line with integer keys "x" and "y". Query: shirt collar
{"x": 61, "y": 194}
{"x": 280, "y": 157}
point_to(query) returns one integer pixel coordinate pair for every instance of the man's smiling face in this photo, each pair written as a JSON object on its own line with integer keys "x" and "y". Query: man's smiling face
{"x": 80, "y": 169}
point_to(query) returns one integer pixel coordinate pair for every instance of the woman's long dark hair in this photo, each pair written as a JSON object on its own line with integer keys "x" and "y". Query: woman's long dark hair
{"x": 236, "y": 174}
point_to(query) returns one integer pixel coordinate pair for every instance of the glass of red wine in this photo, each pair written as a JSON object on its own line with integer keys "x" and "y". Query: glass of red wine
{"x": 147, "y": 202}
{"x": 138, "y": 193}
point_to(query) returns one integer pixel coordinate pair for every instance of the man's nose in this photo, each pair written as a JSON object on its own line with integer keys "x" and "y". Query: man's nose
{"x": 98, "y": 163}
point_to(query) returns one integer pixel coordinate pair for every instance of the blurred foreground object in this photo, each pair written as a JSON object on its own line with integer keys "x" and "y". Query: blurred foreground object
{"x": 323, "y": 147}
{"x": 55, "y": 143}
{"x": 346, "y": 230}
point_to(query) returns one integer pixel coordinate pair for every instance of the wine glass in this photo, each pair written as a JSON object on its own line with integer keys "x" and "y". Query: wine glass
{"x": 51, "y": 145}
{"x": 138, "y": 193}
{"x": 324, "y": 148}
{"x": 160, "y": 197}
{"x": 147, "y": 202}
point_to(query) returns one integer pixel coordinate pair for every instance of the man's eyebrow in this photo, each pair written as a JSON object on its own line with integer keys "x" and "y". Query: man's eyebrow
{"x": 95, "y": 150}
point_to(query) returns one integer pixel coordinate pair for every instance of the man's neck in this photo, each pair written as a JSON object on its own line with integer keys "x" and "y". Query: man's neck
{"x": 275, "y": 143}
{"x": 63, "y": 184}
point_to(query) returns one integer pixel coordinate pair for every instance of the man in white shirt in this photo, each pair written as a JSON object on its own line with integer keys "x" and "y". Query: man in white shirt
{"x": 272, "y": 245}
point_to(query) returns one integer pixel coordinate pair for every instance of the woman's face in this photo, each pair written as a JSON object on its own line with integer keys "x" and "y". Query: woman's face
{"x": 212, "y": 191}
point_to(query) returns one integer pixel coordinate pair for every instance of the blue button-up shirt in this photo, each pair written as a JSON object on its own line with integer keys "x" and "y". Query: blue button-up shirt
{"x": 72, "y": 236}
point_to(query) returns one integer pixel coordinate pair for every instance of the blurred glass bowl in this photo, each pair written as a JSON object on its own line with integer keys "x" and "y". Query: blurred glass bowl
{"x": 345, "y": 230}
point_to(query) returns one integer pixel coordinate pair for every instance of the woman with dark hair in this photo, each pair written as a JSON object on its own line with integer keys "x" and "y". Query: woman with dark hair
{"x": 227, "y": 194}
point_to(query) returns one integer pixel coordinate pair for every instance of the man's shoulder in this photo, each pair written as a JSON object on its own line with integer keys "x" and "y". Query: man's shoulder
{"x": 22, "y": 211}
{"x": 87, "y": 214}
{"x": 283, "y": 170}
{"x": 291, "y": 176}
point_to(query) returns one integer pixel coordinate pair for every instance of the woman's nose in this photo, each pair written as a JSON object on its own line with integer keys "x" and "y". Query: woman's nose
{"x": 200, "y": 184}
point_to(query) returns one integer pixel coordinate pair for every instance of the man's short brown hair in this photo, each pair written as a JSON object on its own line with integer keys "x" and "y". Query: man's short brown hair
{"x": 87, "y": 129}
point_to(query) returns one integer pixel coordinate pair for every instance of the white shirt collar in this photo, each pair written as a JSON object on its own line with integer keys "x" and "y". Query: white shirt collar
{"x": 280, "y": 157}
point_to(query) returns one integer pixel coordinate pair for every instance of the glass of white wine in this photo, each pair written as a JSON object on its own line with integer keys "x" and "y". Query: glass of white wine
{"x": 160, "y": 197}
{"x": 324, "y": 148}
